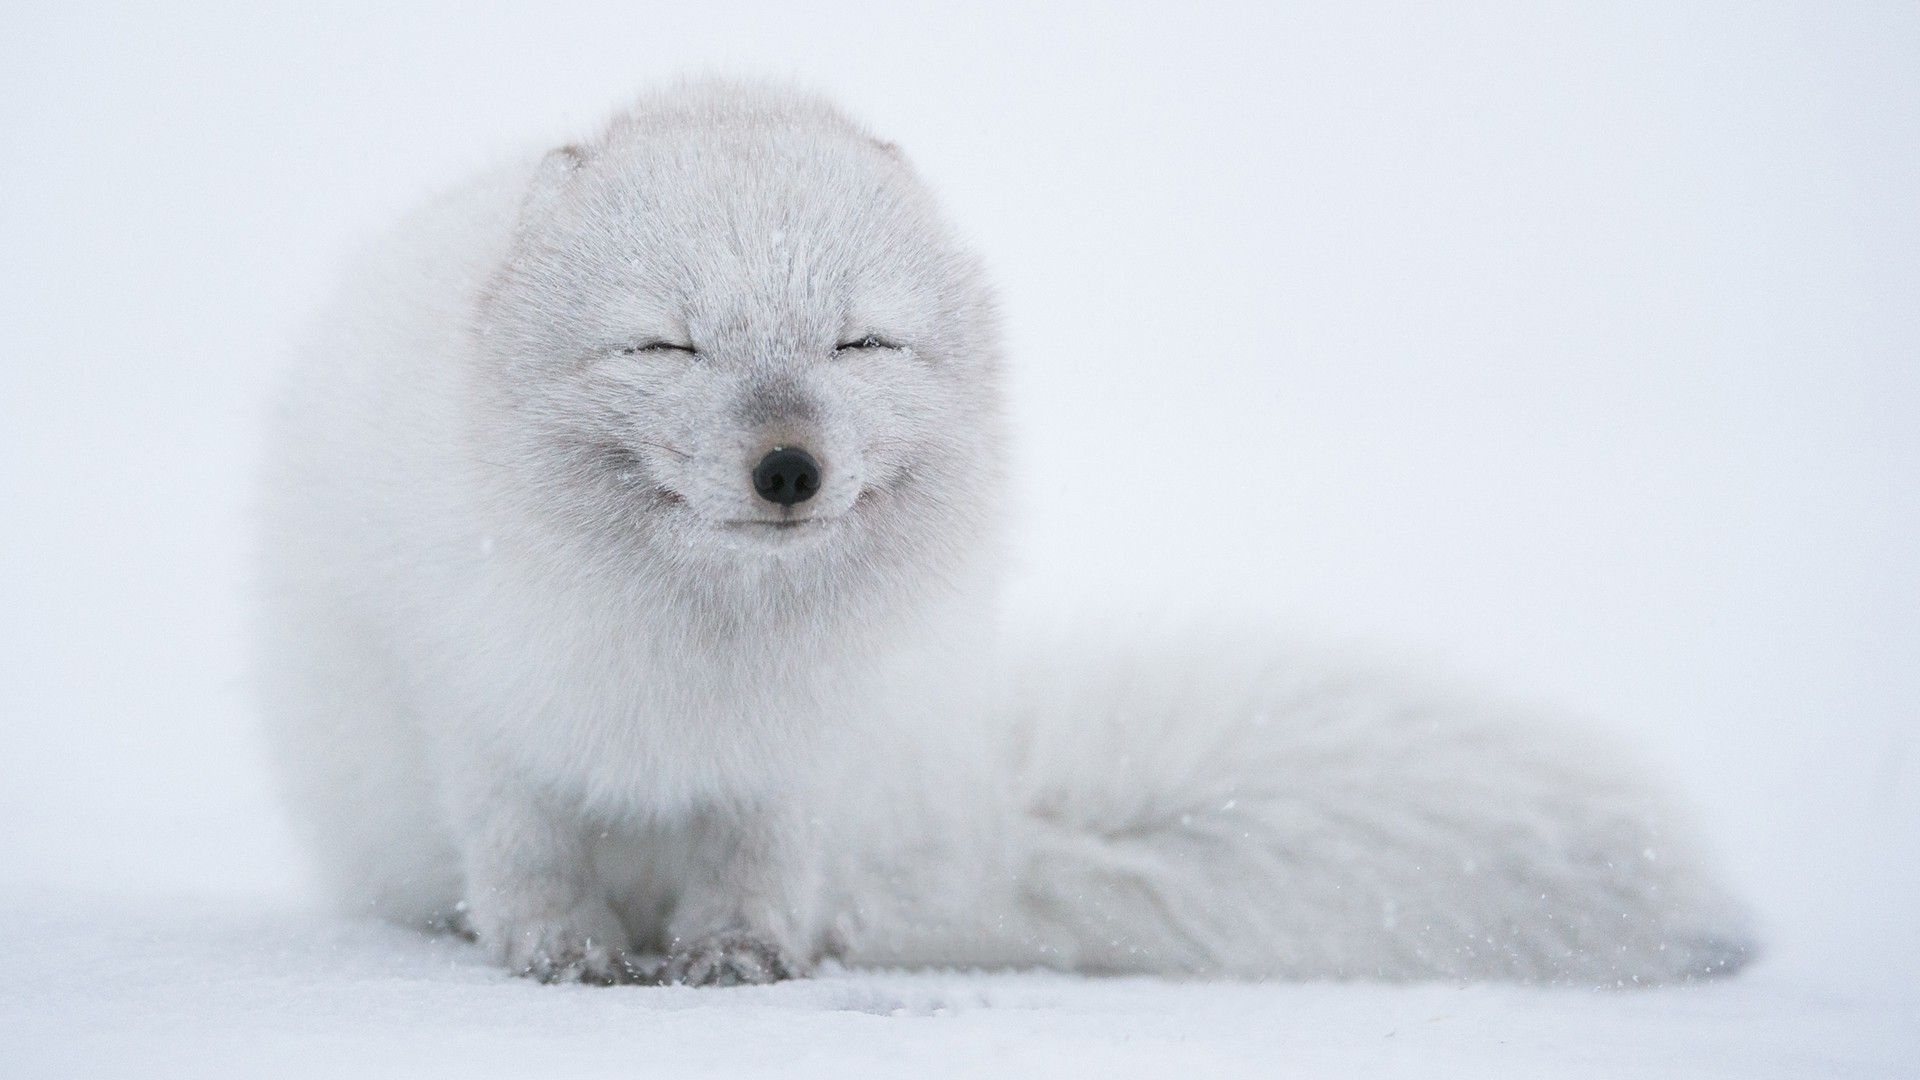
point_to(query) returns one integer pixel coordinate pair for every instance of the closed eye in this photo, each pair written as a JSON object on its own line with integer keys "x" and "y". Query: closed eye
{"x": 867, "y": 341}
{"x": 658, "y": 346}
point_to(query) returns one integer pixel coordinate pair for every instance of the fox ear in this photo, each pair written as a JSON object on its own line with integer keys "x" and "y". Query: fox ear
{"x": 555, "y": 172}
{"x": 565, "y": 158}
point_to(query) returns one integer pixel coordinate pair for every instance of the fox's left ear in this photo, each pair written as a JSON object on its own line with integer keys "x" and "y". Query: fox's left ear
{"x": 558, "y": 167}
{"x": 556, "y": 170}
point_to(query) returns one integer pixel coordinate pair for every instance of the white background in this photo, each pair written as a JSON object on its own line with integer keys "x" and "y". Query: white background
{"x": 1574, "y": 349}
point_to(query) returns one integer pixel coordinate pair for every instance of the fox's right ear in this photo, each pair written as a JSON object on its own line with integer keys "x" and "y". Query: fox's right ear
{"x": 555, "y": 172}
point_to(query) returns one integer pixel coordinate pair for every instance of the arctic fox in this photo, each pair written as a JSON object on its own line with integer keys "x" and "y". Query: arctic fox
{"x": 628, "y": 591}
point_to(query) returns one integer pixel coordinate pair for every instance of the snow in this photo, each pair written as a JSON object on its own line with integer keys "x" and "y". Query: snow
{"x": 224, "y": 986}
{"x": 1571, "y": 350}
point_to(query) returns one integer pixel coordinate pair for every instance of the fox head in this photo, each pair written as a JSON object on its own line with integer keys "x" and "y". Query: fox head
{"x": 734, "y": 343}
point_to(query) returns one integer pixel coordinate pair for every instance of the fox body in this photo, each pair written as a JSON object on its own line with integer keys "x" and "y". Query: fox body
{"x": 628, "y": 578}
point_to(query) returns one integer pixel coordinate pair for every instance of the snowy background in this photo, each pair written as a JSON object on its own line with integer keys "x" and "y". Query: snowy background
{"x": 1571, "y": 348}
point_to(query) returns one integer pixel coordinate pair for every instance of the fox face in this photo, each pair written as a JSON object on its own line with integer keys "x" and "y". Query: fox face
{"x": 740, "y": 351}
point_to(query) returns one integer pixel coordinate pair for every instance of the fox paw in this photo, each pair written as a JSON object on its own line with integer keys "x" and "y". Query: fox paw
{"x": 585, "y": 947}
{"x": 729, "y": 959}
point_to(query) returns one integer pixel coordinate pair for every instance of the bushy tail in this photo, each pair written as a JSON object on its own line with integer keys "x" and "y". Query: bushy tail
{"x": 1208, "y": 812}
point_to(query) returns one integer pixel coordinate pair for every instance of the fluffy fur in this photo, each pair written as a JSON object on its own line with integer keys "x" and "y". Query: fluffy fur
{"x": 539, "y": 663}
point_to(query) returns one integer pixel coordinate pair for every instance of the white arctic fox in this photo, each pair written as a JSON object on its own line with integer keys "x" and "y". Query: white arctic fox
{"x": 630, "y": 556}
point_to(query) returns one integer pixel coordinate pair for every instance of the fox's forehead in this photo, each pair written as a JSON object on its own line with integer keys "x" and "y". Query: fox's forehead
{"x": 750, "y": 236}
{"x": 747, "y": 177}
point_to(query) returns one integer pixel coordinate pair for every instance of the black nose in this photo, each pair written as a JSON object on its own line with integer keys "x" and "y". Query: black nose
{"x": 788, "y": 475}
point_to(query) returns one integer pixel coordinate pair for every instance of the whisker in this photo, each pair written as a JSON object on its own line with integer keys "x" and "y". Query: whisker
{"x": 664, "y": 448}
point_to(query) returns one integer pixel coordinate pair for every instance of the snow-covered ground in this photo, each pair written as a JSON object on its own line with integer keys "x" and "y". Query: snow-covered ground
{"x": 1574, "y": 352}
{"x": 196, "y": 987}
